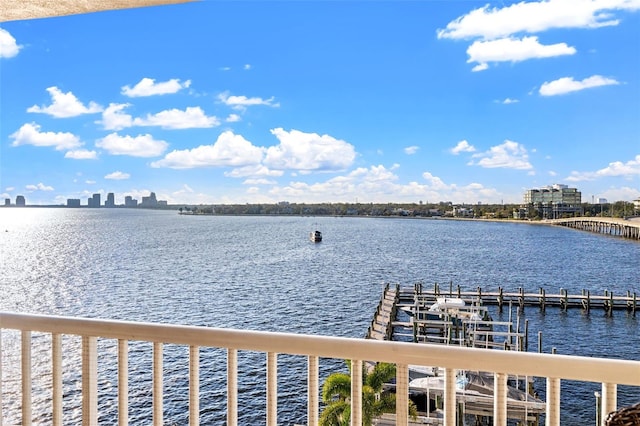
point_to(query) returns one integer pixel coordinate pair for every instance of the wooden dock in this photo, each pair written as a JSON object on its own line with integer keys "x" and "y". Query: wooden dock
{"x": 587, "y": 301}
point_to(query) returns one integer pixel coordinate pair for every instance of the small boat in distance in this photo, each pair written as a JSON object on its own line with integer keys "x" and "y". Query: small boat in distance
{"x": 315, "y": 236}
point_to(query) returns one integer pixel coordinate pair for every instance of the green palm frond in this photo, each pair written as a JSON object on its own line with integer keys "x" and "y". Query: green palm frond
{"x": 336, "y": 386}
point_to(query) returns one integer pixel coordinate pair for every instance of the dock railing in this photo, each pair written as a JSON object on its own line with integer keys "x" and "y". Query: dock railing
{"x": 555, "y": 368}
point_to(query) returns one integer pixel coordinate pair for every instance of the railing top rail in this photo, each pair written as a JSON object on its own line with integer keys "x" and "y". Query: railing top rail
{"x": 511, "y": 362}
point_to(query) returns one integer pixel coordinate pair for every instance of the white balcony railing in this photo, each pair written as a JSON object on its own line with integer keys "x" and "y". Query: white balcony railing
{"x": 610, "y": 373}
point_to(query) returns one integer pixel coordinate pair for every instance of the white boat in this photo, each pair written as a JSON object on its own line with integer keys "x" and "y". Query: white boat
{"x": 315, "y": 236}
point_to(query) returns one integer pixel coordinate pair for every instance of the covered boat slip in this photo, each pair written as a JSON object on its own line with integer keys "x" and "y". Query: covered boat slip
{"x": 409, "y": 315}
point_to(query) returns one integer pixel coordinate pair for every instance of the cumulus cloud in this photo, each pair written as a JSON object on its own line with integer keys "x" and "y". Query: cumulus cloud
{"x": 242, "y": 102}
{"x": 508, "y": 101}
{"x": 253, "y": 170}
{"x": 190, "y": 118}
{"x": 509, "y": 155}
{"x": 39, "y": 187}
{"x": 81, "y": 154}
{"x": 615, "y": 169}
{"x": 113, "y": 117}
{"x": 484, "y": 52}
{"x": 117, "y": 175}
{"x": 8, "y": 46}
{"x": 30, "y": 134}
{"x": 494, "y": 28}
{"x": 462, "y": 146}
{"x": 229, "y": 150}
{"x": 308, "y": 152}
{"x": 410, "y": 150}
{"x": 535, "y": 17}
{"x": 139, "y": 146}
{"x": 149, "y": 87}
{"x": 566, "y": 85}
{"x": 232, "y": 118}
{"x": 64, "y": 105}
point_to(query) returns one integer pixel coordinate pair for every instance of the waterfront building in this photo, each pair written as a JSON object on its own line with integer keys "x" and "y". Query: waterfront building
{"x": 130, "y": 202}
{"x": 94, "y": 201}
{"x": 554, "y": 201}
{"x": 73, "y": 202}
{"x": 110, "y": 201}
{"x": 149, "y": 201}
{"x": 20, "y": 201}
{"x": 7, "y": 201}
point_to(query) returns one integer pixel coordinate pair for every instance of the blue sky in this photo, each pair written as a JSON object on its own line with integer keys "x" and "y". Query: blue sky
{"x": 326, "y": 101}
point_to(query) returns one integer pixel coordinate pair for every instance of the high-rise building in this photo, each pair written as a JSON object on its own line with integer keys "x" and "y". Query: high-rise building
{"x": 94, "y": 201}
{"x": 73, "y": 202}
{"x": 149, "y": 201}
{"x": 554, "y": 201}
{"x": 130, "y": 202}
{"x": 110, "y": 202}
{"x": 20, "y": 201}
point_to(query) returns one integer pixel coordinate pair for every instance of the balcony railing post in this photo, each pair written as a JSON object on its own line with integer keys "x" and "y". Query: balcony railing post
{"x": 500, "y": 399}
{"x": 553, "y": 402}
{"x": 609, "y": 399}
{"x": 232, "y": 387}
{"x": 356, "y": 392}
{"x": 449, "y": 397}
{"x": 89, "y": 381}
{"x": 56, "y": 378}
{"x": 402, "y": 395}
{"x": 312, "y": 391}
{"x": 272, "y": 389}
{"x": 26, "y": 377}
{"x": 194, "y": 385}
{"x": 123, "y": 382}
{"x": 157, "y": 384}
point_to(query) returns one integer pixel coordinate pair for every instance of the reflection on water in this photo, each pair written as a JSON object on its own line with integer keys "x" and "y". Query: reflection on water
{"x": 263, "y": 273}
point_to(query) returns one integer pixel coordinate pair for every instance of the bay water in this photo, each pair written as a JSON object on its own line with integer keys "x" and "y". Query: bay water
{"x": 263, "y": 273}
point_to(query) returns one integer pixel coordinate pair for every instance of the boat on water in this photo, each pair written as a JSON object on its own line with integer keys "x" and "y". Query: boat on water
{"x": 315, "y": 236}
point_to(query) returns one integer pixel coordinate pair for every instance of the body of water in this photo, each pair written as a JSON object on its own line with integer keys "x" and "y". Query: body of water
{"x": 263, "y": 273}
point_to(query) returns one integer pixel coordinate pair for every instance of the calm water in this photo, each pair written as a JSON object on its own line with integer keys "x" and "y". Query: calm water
{"x": 262, "y": 273}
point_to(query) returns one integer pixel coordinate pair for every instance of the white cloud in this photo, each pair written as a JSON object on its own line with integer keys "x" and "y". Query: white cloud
{"x": 308, "y": 152}
{"x": 8, "y": 46}
{"x": 64, "y": 105}
{"x": 139, "y": 146}
{"x": 462, "y": 146}
{"x": 114, "y": 119}
{"x": 615, "y": 169}
{"x": 509, "y": 155}
{"x": 242, "y": 102}
{"x": 508, "y": 101}
{"x": 30, "y": 134}
{"x": 232, "y": 118}
{"x": 535, "y": 17}
{"x": 190, "y": 118}
{"x": 513, "y": 50}
{"x": 247, "y": 67}
{"x": 39, "y": 187}
{"x": 259, "y": 181}
{"x": 149, "y": 87}
{"x": 410, "y": 150}
{"x": 81, "y": 154}
{"x": 253, "y": 170}
{"x": 118, "y": 175}
{"x": 566, "y": 85}
{"x": 228, "y": 150}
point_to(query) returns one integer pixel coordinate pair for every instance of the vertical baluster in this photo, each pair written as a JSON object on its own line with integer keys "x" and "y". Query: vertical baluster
{"x": 553, "y": 402}
{"x": 1, "y": 381}
{"x": 609, "y": 399}
{"x": 449, "y": 397}
{"x": 402, "y": 395}
{"x": 89, "y": 381}
{"x": 356, "y": 392}
{"x": 123, "y": 382}
{"x": 312, "y": 391}
{"x": 56, "y": 378}
{"x": 272, "y": 389}
{"x": 232, "y": 387}
{"x": 500, "y": 399}
{"x": 157, "y": 384}
{"x": 194, "y": 386}
{"x": 26, "y": 377}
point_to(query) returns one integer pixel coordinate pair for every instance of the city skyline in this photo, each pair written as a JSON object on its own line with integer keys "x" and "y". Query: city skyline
{"x": 312, "y": 102}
